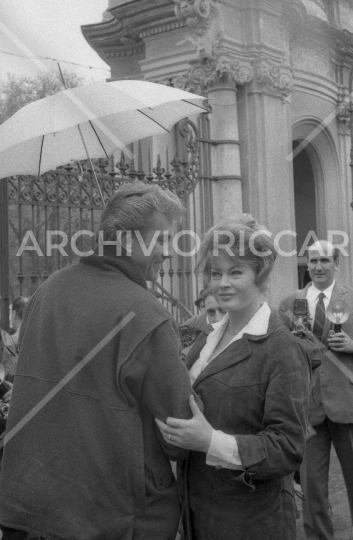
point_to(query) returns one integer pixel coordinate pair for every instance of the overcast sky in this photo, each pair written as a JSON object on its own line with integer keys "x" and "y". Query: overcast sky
{"x": 48, "y": 28}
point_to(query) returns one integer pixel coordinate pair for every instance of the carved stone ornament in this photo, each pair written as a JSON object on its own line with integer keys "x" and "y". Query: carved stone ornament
{"x": 207, "y": 74}
{"x": 343, "y": 114}
{"x": 276, "y": 76}
{"x": 107, "y": 16}
{"x": 205, "y": 17}
{"x": 344, "y": 42}
{"x": 343, "y": 111}
{"x": 316, "y": 8}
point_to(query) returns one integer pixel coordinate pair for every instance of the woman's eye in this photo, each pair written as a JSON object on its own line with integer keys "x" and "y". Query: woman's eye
{"x": 215, "y": 274}
{"x": 237, "y": 273}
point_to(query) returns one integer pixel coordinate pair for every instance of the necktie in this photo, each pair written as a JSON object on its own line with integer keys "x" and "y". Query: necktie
{"x": 319, "y": 317}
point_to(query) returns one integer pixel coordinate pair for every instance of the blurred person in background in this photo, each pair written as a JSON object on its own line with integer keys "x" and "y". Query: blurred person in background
{"x": 199, "y": 326}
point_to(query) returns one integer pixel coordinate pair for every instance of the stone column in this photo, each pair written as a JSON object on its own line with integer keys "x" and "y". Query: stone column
{"x": 219, "y": 79}
{"x": 216, "y": 73}
{"x": 251, "y": 158}
{"x": 227, "y": 188}
{"x": 344, "y": 133}
{"x": 266, "y": 142}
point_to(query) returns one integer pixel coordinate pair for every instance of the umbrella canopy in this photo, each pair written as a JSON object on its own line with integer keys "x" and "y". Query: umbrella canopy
{"x": 91, "y": 120}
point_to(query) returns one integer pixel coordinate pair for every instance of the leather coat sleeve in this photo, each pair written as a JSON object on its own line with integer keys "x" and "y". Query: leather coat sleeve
{"x": 161, "y": 381}
{"x": 278, "y": 449}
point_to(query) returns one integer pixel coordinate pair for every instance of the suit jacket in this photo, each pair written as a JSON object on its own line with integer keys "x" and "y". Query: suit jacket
{"x": 332, "y": 393}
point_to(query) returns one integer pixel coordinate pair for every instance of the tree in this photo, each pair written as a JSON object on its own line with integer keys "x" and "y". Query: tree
{"x": 16, "y": 91}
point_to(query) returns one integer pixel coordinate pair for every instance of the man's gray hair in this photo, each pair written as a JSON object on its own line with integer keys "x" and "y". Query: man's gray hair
{"x": 131, "y": 207}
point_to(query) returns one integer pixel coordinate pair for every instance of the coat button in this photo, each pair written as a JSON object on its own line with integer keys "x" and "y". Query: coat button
{"x": 161, "y": 481}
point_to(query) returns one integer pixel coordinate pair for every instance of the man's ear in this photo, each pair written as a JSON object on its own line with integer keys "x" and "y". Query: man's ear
{"x": 337, "y": 261}
{"x": 125, "y": 240}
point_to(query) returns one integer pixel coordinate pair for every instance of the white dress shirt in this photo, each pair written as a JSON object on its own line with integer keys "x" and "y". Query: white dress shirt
{"x": 223, "y": 450}
{"x": 312, "y": 296}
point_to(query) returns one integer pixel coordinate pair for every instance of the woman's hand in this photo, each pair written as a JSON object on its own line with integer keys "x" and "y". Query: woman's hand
{"x": 194, "y": 434}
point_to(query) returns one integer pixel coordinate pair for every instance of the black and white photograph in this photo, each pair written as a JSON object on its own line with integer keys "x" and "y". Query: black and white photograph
{"x": 176, "y": 272}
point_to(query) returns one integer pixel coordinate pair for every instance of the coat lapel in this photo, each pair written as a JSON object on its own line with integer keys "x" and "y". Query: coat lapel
{"x": 233, "y": 354}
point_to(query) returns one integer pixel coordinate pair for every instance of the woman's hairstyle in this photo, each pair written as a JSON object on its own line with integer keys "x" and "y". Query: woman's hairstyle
{"x": 130, "y": 208}
{"x": 241, "y": 237}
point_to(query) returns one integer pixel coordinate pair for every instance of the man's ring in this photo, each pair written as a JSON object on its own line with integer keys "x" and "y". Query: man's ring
{"x": 170, "y": 438}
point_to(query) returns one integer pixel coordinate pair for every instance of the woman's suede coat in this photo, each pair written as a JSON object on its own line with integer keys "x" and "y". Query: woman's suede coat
{"x": 91, "y": 464}
{"x": 257, "y": 390}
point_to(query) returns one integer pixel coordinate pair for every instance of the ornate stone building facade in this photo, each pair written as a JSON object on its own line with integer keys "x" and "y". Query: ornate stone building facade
{"x": 276, "y": 73}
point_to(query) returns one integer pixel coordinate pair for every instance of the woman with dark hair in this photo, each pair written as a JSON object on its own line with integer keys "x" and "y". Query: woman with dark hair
{"x": 253, "y": 379}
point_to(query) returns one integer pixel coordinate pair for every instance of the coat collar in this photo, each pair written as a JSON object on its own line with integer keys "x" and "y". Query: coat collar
{"x": 236, "y": 352}
{"x": 113, "y": 263}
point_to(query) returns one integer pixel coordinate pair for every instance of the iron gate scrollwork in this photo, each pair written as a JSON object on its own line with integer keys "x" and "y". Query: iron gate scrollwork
{"x": 44, "y": 215}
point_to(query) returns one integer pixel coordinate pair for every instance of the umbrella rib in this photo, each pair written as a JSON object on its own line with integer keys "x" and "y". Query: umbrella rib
{"x": 155, "y": 121}
{"x": 195, "y": 104}
{"x": 100, "y": 142}
{"x": 40, "y": 155}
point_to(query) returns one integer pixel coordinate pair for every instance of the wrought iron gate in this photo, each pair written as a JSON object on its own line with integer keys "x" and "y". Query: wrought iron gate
{"x": 37, "y": 215}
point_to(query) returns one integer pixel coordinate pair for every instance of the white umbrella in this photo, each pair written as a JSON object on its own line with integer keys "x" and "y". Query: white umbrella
{"x": 89, "y": 121}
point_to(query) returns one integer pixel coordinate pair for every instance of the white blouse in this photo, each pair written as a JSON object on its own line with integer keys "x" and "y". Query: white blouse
{"x": 223, "y": 450}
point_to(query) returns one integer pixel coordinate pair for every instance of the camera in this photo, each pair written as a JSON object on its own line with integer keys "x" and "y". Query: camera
{"x": 301, "y": 315}
{"x": 185, "y": 336}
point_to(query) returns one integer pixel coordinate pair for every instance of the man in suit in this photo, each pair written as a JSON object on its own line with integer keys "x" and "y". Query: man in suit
{"x": 331, "y": 400}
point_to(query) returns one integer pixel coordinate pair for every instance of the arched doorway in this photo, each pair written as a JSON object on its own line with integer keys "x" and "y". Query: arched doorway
{"x": 316, "y": 154}
{"x": 304, "y": 204}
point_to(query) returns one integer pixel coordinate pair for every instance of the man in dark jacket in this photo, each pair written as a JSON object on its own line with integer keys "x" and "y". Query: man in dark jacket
{"x": 83, "y": 459}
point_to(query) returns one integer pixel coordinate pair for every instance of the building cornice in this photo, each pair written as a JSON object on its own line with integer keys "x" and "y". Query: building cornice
{"x": 316, "y": 85}
{"x": 129, "y": 25}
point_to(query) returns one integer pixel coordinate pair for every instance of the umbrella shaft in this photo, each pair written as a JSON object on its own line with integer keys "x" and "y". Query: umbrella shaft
{"x": 91, "y": 164}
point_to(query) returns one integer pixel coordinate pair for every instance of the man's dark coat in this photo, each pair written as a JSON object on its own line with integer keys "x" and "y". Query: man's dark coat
{"x": 90, "y": 464}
